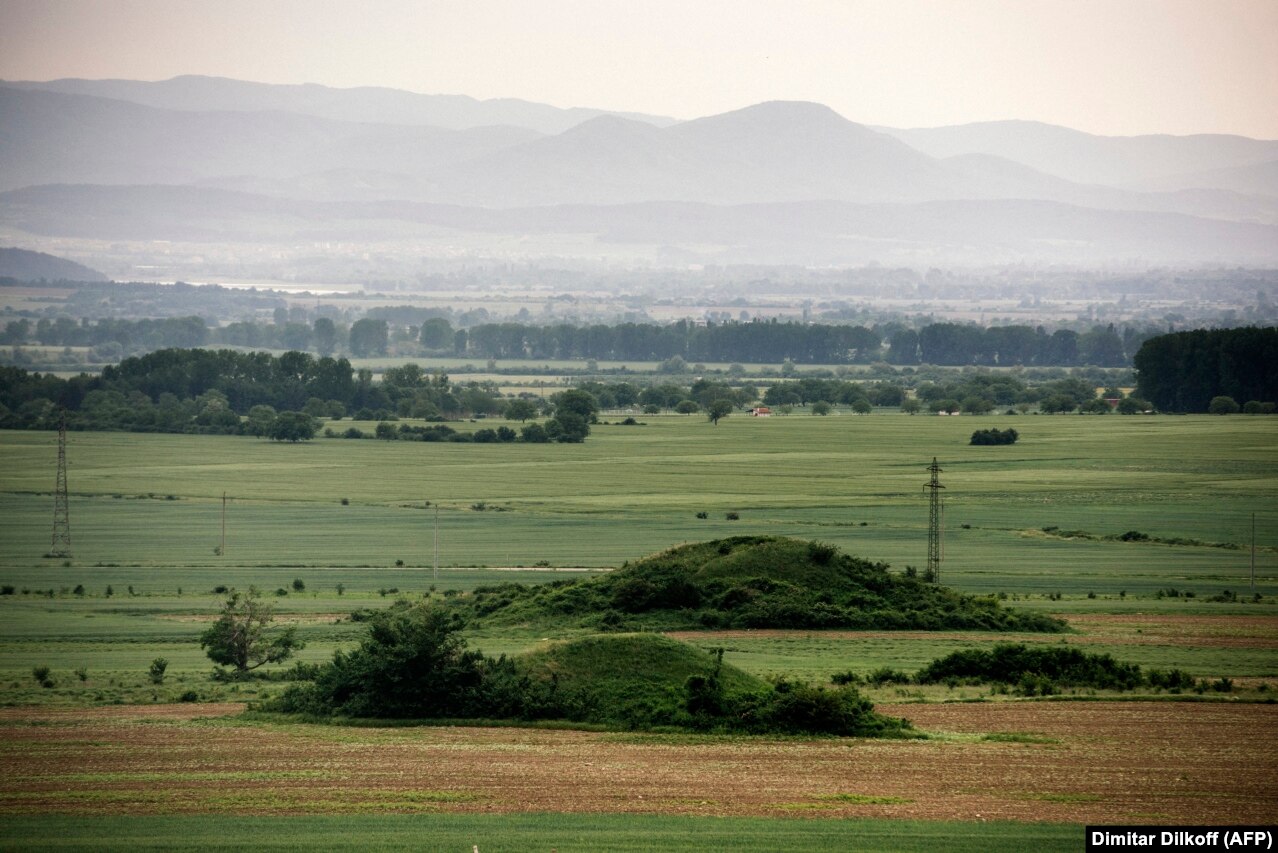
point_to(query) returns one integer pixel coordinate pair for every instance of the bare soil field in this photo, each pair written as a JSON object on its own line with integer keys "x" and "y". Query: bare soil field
{"x": 1164, "y": 762}
{"x": 1229, "y": 631}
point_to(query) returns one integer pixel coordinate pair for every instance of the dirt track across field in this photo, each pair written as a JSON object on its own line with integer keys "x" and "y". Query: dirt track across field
{"x": 1097, "y": 762}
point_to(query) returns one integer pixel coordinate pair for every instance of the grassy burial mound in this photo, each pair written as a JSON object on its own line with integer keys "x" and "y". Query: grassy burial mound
{"x": 748, "y": 582}
{"x": 647, "y": 681}
{"x": 414, "y": 665}
{"x": 628, "y": 676}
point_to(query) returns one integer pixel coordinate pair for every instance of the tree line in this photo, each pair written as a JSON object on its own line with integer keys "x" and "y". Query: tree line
{"x": 757, "y": 341}
{"x": 281, "y": 397}
{"x": 226, "y": 391}
{"x": 230, "y": 392}
{"x": 950, "y": 344}
{"x": 1187, "y": 371}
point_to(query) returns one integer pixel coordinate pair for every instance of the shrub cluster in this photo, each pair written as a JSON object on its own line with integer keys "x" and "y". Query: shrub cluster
{"x": 1009, "y": 663}
{"x": 1138, "y": 536}
{"x": 412, "y": 664}
{"x": 1036, "y": 671}
{"x": 994, "y": 436}
{"x": 1044, "y": 670}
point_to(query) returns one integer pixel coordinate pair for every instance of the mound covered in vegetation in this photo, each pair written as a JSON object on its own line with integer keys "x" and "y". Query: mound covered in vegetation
{"x": 648, "y": 681}
{"x": 626, "y": 676}
{"x": 414, "y": 665}
{"x": 747, "y": 582}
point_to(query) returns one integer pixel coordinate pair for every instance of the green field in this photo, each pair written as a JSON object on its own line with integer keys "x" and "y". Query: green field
{"x": 530, "y": 832}
{"x": 146, "y": 513}
{"x": 155, "y": 500}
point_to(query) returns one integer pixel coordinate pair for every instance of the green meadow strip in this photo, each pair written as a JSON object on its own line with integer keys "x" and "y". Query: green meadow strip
{"x": 520, "y": 833}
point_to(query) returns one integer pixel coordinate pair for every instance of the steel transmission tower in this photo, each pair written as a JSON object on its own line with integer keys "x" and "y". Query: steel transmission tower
{"x": 934, "y": 523}
{"x": 61, "y": 545}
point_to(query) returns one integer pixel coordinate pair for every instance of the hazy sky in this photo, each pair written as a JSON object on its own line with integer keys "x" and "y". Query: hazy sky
{"x": 1105, "y": 66}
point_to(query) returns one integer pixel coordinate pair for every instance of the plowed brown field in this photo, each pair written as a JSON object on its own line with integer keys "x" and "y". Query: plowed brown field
{"x": 1098, "y": 762}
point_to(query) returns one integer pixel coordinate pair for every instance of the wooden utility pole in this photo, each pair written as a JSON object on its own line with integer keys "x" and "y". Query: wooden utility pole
{"x": 223, "y": 551}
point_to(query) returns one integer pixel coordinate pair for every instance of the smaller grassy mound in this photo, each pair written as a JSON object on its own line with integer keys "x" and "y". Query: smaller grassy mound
{"x": 748, "y": 582}
{"x": 632, "y": 679}
{"x": 646, "y": 681}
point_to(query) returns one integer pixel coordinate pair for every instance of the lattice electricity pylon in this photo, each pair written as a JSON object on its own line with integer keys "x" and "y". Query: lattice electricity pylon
{"x": 61, "y": 545}
{"x": 934, "y": 523}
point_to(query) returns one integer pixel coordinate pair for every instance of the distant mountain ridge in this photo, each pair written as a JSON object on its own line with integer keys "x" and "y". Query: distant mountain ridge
{"x": 24, "y": 265}
{"x": 208, "y": 159}
{"x": 49, "y": 137}
{"x": 771, "y": 152}
{"x": 366, "y": 104}
{"x": 1135, "y": 162}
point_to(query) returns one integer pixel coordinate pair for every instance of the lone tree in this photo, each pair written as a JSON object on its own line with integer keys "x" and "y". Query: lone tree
{"x": 575, "y": 411}
{"x": 718, "y": 409}
{"x": 520, "y": 410}
{"x": 1223, "y": 405}
{"x": 291, "y": 426}
{"x": 579, "y": 402}
{"x": 239, "y": 636}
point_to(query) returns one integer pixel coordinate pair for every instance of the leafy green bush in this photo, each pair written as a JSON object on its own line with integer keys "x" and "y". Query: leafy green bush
{"x": 994, "y": 436}
{"x": 887, "y": 675}
{"x": 803, "y": 709}
{"x": 1033, "y": 684}
{"x": 1223, "y": 405}
{"x": 1172, "y": 679}
{"x": 412, "y": 664}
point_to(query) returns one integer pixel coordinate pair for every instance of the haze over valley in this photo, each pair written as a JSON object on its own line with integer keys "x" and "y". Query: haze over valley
{"x": 199, "y": 164}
